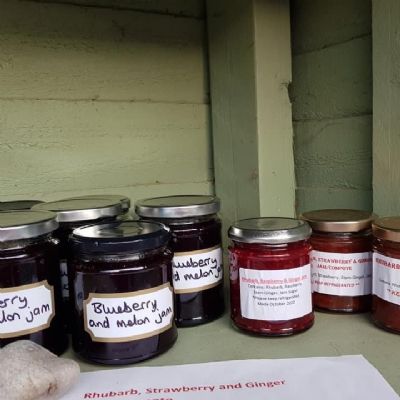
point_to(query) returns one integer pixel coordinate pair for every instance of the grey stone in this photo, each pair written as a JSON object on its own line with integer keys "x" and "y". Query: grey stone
{"x": 30, "y": 372}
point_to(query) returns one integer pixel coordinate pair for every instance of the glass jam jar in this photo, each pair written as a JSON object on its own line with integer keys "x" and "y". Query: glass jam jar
{"x": 30, "y": 292}
{"x": 72, "y": 214}
{"x": 18, "y": 205}
{"x": 386, "y": 273}
{"x": 120, "y": 281}
{"x": 341, "y": 259}
{"x": 197, "y": 264}
{"x": 270, "y": 276}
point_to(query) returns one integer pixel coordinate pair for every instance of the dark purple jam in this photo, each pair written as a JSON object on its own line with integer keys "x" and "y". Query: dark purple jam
{"x": 30, "y": 292}
{"x": 197, "y": 263}
{"x": 120, "y": 284}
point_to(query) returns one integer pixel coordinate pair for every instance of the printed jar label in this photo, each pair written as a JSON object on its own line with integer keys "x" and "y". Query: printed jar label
{"x": 64, "y": 279}
{"x": 386, "y": 282}
{"x": 122, "y": 317}
{"x": 197, "y": 270}
{"x": 341, "y": 274}
{"x": 275, "y": 295}
{"x": 26, "y": 309}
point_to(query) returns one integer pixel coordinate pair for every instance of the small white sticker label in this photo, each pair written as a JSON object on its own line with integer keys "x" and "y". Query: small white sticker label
{"x": 386, "y": 278}
{"x": 275, "y": 295}
{"x": 26, "y": 309}
{"x": 341, "y": 274}
{"x": 64, "y": 279}
{"x": 122, "y": 317}
{"x": 197, "y": 270}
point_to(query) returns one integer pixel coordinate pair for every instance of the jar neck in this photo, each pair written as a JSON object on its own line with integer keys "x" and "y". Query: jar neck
{"x": 24, "y": 243}
{"x": 183, "y": 221}
{"x": 343, "y": 235}
{"x": 270, "y": 247}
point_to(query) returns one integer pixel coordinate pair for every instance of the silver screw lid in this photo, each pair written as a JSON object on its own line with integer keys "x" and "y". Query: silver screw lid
{"x": 269, "y": 230}
{"x": 125, "y": 201}
{"x": 15, "y": 225}
{"x": 182, "y": 206}
{"x": 75, "y": 210}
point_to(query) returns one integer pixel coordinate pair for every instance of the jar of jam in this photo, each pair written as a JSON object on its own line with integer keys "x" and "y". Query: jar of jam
{"x": 18, "y": 205}
{"x": 30, "y": 292}
{"x": 386, "y": 273}
{"x": 270, "y": 276}
{"x": 120, "y": 275}
{"x": 341, "y": 259}
{"x": 72, "y": 214}
{"x": 197, "y": 264}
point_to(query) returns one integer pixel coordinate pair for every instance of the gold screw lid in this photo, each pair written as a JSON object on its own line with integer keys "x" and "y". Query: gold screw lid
{"x": 339, "y": 220}
{"x": 387, "y": 228}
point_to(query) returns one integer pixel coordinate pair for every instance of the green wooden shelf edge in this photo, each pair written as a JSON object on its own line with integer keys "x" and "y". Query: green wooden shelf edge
{"x": 332, "y": 335}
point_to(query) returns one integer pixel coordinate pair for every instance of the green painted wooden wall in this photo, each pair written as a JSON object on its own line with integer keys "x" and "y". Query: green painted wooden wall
{"x": 332, "y": 103}
{"x": 103, "y": 96}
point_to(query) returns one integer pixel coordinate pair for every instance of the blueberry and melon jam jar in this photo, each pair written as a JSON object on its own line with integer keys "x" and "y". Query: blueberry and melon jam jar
{"x": 270, "y": 276}
{"x": 198, "y": 261}
{"x": 30, "y": 291}
{"x": 72, "y": 214}
{"x": 121, "y": 289}
{"x": 341, "y": 259}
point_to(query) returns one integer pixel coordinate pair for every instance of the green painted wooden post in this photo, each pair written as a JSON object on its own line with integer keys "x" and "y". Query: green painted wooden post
{"x": 250, "y": 70}
{"x": 386, "y": 105}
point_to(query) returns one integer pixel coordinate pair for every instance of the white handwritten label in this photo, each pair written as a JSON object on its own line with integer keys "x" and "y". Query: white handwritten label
{"x": 341, "y": 274}
{"x": 64, "y": 279}
{"x": 275, "y": 295}
{"x": 26, "y": 309}
{"x": 198, "y": 270}
{"x": 122, "y": 317}
{"x": 386, "y": 281}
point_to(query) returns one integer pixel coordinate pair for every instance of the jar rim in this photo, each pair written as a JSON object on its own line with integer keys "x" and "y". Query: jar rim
{"x": 339, "y": 220}
{"x": 387, "y": 228}
{"x": 269, "y": 230}
{"x": 179, "y": 206}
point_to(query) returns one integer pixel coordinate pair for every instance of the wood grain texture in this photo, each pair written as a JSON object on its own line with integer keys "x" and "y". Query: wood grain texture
{"x": 54, "y": 146}
{"x": 320, "y": 24}
{"x": 386, "y": 137}
{"x": 333, "y": 82}
{"x": 53, "y": 51}
{"x": 184, "y": 8}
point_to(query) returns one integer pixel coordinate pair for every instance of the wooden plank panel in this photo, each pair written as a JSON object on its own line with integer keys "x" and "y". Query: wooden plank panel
{"x": 53, "y": 51}
{"x": 333, "y": 82}
{"x": 386, "y": 126}
{"x": 319, "y": 198}
{"x": 186, "y": 8}
{"x": 320, "y": 24}
{"x": 334, "y": 153}
{"x": 55, "y": 146}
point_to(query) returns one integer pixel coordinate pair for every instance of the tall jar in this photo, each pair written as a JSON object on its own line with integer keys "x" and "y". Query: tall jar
{"x": 30, "y": 292}
{"x": 72, "y": 214}
{"x": 270, "y": 276}
{"x": 386, "y": 273}
{"x": 120, "y": 275}
{"x": 341, "y": 259}
{"x": 197, "y": 263}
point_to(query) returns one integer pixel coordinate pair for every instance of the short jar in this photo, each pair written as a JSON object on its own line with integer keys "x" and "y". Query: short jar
{"x": 198, "y": 262}
{"x": 72, "y": 214}
{"x": 386, "y": 273}
{"x": 120, "y": 276}
{"x": 270, "y": 276}
{"x": 30, "y": 292}
{"x": 341, "y": 259}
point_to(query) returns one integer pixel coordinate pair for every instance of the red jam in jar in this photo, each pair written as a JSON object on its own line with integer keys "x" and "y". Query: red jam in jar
{"x": 30, "y": 292}
{"x": 197, "y": 264}
{"x": 270, "y": 276}
{"x": 72, "y": 214}
{"x": 120, "y": 285}
{"x": 341, "y": 259}
{"x": 386, "y": 273}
